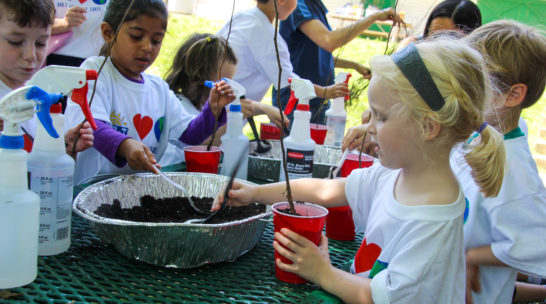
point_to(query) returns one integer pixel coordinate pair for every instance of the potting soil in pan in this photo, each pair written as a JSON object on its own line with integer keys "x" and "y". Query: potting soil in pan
{"x": 174, "y": 210}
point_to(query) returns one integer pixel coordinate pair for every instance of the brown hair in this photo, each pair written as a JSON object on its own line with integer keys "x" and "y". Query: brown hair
{"x": 25, "y": 12}
{"x": 514, "y": 53}
{"x": 198, "y": 57}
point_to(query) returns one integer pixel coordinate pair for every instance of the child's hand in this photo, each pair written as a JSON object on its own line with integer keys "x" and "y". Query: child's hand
{"x": 353, "y": 138}
{"x": 239, "y": 195}
{"x": 85, "y": 141}
{"x": 74, "y": 17}
{"x": 364, "y": 71}
{"x": 274, "y": 115}
{"x": 308, "y": 261}
{"x": 336, "y": 90}
{"x": 388, "y": 14}
{"x": 220, "y": 96}
{"x": 138, "y": 155}
{"x": 1, "y": 125}
{"x": 247, "y": 107}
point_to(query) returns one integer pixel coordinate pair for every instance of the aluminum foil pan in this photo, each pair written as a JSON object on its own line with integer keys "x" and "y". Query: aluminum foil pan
{"x": 168, "y": 244}
{"x": 266, "y": 167}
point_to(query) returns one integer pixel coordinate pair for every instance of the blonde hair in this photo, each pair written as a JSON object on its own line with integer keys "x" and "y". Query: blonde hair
{"x": 459, "y": 73}
{"x": 514, "y": 53}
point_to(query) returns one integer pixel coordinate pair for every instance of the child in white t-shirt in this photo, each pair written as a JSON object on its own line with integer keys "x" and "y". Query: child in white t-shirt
{"x": 204, "y": 57}
{"x": 424, "y": 100}
{"x": 137, "y": 114}
{"x": 506, "y": 234}
{"x": 24, "y": 33}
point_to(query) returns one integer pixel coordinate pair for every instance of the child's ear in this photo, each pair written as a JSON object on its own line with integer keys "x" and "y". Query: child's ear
{"x": 431, "y": 128}
{"x": 107, "y": 32}
{"x": 515, "y": 95}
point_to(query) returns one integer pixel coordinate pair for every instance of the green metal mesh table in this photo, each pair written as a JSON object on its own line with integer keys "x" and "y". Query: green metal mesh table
{"x": 92, "y": 271}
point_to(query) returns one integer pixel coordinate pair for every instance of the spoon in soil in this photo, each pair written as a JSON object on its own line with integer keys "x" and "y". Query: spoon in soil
{"x": 263, "y": 145}
{"x": 335, "y": 169}
{"x": 224, "y": 202}
{"x": 178, "y": 186}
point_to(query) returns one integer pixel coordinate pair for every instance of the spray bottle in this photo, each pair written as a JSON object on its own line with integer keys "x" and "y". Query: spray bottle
{"x": 50, "y": 169}
{"x": 234, "y": 142}
{"x": 300, "y": 148}
{"x": 336, "y": 117}
{"x": 19, "y": 207}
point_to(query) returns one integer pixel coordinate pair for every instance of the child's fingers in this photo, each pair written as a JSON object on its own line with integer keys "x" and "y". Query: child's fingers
{"x": 296, "y": 238}
{"x": 286, "y": 267}
{"x": 283, "y": 251}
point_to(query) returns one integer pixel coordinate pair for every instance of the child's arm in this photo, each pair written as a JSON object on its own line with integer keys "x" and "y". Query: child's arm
{"x": 202, "y": 126}
{"x": 271, "y": 112}
{"x": 332, "y": 91}
{"x": 74, "y": 17}
{"x": 349, "y": 64}
{"x": 482, "y": 256}
{"x": 324, "y": 192}
{"x": 313, "y": 263}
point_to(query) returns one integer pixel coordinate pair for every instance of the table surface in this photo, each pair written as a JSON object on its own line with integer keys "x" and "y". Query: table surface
{"x": 92, "y": 271}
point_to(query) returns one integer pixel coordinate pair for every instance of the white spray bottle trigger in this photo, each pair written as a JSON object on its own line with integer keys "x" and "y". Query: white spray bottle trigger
{"x": 302, "y": 90}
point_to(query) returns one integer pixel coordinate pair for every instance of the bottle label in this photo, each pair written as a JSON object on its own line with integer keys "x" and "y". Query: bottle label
{"x": 55, "y": 206}
{"x": 299, "y": 164}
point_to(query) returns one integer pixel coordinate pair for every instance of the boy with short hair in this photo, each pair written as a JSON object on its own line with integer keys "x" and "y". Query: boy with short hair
{"x": 25, "y": 28}
{"x": 505, "y": 234}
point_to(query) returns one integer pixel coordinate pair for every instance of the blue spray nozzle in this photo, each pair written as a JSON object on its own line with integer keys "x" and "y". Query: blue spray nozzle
{"x": 209, "y": 84}
{"x": 43, "y": 109}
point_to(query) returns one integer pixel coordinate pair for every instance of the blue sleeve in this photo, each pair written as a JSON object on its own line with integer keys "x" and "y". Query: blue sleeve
{"x": 300, "y": 15}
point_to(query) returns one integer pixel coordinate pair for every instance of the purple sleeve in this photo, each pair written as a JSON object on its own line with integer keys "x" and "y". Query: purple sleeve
{"x": 202, "y": 126}
{"x": 107, "y": 141}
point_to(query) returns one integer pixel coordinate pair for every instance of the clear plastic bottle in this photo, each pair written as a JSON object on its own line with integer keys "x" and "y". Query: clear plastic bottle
{"x": 234, "y": 142}
{"x": 19, "y": 207}
{"x": 51, "y": 173}
{"x": 336, "y": 116}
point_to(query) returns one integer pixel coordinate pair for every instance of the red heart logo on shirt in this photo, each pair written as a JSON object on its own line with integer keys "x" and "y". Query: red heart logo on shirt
{"x": 143, "y": 125}
{"x": 366, "y": 256}
{"x": 83, "y": 1}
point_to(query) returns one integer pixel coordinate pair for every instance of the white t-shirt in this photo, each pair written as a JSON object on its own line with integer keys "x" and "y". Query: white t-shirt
{"x": 175, "y": 154}
{"x": 29, "y": 125}
{"x": 513, "y": 223}
{"x": 252, "y": 41}
{"x": 148, "y": 112}
{"x": 412, "y": 253}
{"x": 86, "y": 39}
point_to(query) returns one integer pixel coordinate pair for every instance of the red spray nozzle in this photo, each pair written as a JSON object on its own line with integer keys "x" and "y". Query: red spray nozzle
{"x": 79, "y": 96}
{"x": 91, "y": 74}
{"x": 347, "y": 81}
{"x": 291, "y": 101}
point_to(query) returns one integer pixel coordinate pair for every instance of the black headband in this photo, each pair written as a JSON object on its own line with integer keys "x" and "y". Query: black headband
{"x": 412, "y": 66}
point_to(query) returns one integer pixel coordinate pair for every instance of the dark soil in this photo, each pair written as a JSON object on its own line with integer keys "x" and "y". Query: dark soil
{"x": 175, "y": 210}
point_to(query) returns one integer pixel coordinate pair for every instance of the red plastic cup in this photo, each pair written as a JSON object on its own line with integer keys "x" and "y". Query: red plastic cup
{"x": 309, "y": 225}
{"x": 318, "y": 133}
{"x": 351, "y": 163}
{"x": 198, "y": 159}
{"x": 339, "y": 221}
{"x": 269, "y": 131}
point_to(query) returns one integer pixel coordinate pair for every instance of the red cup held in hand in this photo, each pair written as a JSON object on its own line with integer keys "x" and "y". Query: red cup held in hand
{"x": 308, "y": 223}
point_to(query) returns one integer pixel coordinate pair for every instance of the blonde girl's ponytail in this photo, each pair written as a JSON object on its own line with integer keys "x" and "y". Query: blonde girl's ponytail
{"x": 464, "y": 91}
{"x": 486, "y": 158}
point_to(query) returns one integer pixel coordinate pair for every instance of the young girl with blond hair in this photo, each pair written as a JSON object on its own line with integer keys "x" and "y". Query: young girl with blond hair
{"x": 424, "y": 100}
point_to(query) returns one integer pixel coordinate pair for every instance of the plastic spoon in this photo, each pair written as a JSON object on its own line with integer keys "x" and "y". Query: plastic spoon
{"x": 178, "y": 186}
{"x": 334, "y": 172}
{"x": 224, "y": 202}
